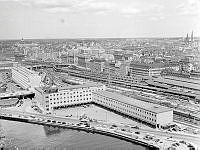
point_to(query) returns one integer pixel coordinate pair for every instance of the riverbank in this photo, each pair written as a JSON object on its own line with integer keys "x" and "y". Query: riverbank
{"x": 48, "y": 137}
{"x": 122, "y": 132}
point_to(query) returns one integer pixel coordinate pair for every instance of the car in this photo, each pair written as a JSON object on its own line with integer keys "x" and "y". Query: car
{"x": 157, "y": 140}
{"x": 53, "y": 121}
{"x": 137, "y": 132}
{"x": 123, "y": 129}
{"x": 135, "y": 127}
{"x": 32, "y": 116}
{"x": 3, "y": 114}
{"x": 113, "y": 125}
{"x": 41, "y": 119}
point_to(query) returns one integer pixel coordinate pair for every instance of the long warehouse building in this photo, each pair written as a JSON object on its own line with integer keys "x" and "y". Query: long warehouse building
{"x": 149, "y": 113}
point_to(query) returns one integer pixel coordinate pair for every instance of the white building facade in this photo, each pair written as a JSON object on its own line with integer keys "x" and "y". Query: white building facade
{"x": 26, "y": 78}
{"x": 63, "y": 97}
{"x": 152, "y": 114}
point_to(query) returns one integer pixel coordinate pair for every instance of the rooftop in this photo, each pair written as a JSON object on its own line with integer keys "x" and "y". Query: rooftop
{"x": 25, "y": 70}
{"x": 132, "y": 101}
{"x": 89, "y": 84}
{"x": 17, "y": 93}
{"x": 8, "y": 102}
{"x": 147, "y": 65}
{"x": 171, "y": 81}
{"x": 98, "y": 60}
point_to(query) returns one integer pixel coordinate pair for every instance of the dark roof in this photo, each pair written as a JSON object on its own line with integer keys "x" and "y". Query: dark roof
{"x": 63, "y": 56}
{"x": 147, "y": 66}
{"x": 98, "y": 60}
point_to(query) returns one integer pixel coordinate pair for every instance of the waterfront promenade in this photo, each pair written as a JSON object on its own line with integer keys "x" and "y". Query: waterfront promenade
{"x": 128, "y": 133}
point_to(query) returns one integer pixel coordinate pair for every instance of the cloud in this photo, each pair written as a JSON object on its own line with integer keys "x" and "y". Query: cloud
{"x": 130, "y": 11}
{"x": 189, "y": 7}
{"x": 127, "y": 8}
{"x": 62, "y": 20}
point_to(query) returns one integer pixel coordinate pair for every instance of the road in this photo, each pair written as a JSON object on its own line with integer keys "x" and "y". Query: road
{"x": 192, "y": 138}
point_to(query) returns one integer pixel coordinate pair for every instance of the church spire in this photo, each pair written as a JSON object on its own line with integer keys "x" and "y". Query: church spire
{"x": 192, "y": 37}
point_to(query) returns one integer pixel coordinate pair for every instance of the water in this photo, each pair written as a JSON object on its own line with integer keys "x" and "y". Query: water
{"x": 29, "y": 136}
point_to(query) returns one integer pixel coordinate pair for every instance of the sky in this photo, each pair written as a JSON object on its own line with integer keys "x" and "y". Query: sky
{"x": 98, "y": 18}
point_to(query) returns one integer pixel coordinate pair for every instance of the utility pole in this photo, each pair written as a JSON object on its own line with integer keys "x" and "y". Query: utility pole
{"x": 106, "y": 116}
{"x": 77, "y": 112}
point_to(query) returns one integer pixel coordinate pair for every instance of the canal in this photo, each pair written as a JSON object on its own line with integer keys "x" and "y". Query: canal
{"x": 30, "y": 136}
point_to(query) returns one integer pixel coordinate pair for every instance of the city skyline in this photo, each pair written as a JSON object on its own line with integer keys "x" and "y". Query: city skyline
{"x": 41, "y": 19}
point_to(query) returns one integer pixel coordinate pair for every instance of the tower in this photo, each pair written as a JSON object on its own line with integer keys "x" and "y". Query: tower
{"x": 187, "y": 39}
{"x": 192, "y": 37}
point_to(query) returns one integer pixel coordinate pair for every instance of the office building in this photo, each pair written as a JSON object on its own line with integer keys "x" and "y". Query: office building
{"x": 53, "y": 98}
{"x": 26, "y": 78}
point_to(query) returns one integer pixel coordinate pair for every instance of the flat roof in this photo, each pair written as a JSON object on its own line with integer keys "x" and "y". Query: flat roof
{"x": 163, "y": 85}
{"x": 178, "y": 83}
{"x": 89, "y": 84}
{"x": 17, "y": 93}
{"x": 25, "y": 70}
{"x": 134, "y": 102}
{"x": 187, "y": 80}
{"x": 7, "y": 102}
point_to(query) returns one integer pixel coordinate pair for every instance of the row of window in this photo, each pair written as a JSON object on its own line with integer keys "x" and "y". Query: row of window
{"x": 59, "y": 94}
{"x": 75, "y": 92}
{"x": 125, "y": 105}
{"x": 127, "y": 111}
{"x": 69, "y": 97}
{"x": 70, "y": 101}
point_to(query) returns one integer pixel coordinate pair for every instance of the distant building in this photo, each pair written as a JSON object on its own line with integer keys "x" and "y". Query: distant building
{"x": 97, "y": 65}
{"x": 192, "y": 37}
{"x": 117, "y": 68}
{"x": 83, "y": 60}
{"x": 7, "y": 65}
{"x": 53, "y": 98}
{"x": 64, "y": 58}
{"x": 119, "y": 56}
{"x": 189, "y": 40}
{"x": 149, "y": 113}
{"x": 72, "y": 58}
{"x": 26, "y": 78}
{"x": 19, "y": 57}
{"x": 143, "y": 69}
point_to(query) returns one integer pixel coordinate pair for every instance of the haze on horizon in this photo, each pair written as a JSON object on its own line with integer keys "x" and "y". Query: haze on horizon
{"x": 41, "y": 19}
